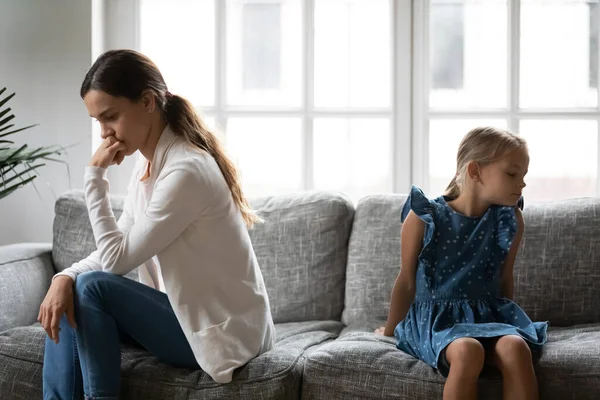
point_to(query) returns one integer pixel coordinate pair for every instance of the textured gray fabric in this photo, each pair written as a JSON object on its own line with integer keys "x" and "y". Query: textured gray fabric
{"x": 25, "y": 274}
{"x": 557, "y": 272}
{"x": 273, "y": 375}
{"x": 367, "y": 366}
{"x": 21, "y": 359}
{"x": 302, "y": 252}
{"x": 73, "y": 238}
{"x": 301, "y": 248}
{"x": 373, "y": 258}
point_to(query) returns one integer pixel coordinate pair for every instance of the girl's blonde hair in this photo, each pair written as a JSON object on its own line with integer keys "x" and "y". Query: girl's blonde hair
{"x": 482, "y": 145}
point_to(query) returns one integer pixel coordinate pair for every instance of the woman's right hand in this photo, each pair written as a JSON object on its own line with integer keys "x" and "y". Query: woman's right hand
{"x": 110, "y": 152}
{"x": 58, "y": 300}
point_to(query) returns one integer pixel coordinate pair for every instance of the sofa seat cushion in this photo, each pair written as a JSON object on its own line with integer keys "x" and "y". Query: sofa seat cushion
{"x": 360, "y": 364}
{"x": 275, "y": 374}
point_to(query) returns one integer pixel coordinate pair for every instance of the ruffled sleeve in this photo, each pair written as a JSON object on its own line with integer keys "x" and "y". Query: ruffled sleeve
{"x": 425, "y": 210}
{"x": 419, "y": 204}
{"x": 507, "y": 225}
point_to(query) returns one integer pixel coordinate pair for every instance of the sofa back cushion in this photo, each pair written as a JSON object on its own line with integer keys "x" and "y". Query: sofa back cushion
{"x": 302, "y": 251}
{"x": 73, "y": 239}
{"x": 557, "y": 272}
{"x": 301, "y": 248}
{"x": 373, "y": 258}
{"x": 556, "y": 275}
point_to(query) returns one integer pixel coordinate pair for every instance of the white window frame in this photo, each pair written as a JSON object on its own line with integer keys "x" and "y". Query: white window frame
{"x": 399, "y": 112}
{"x": 409, "y": 111}
{"x": 513, "y": 114}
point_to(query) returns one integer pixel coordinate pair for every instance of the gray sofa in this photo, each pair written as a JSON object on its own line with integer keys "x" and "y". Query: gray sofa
{"x": 329, "y": 268}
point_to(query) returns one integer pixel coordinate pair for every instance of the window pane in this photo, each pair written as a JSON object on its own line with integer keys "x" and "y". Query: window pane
{"x": 179, "y": 36}
{"x": 268, "y": 153}
{"x": 210, "y": 121}
{"x": 555, "y": 54}
{"x": 468, "y": 51}
{"x": 594, "y": 35}
{"x": 444, "y": 139}
{"x": 352, "y": 155}
{"x": 264, "y": 52}
{"x": 352, "y": 53}
{"x": 447, "y": 45}
{"x": 563, "y": 159}
{"x": 261, "y": 45}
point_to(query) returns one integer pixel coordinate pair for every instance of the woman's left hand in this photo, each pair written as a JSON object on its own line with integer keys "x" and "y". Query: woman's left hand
{"x": 110, "y": 152}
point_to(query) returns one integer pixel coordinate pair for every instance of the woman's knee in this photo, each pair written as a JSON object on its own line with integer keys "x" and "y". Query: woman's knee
{"x": 466, "y": 354}
{"x": 511, "y": 351}
{"x": 88, "y": 282}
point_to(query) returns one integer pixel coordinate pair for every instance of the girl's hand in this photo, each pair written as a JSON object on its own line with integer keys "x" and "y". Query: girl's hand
{"x": 110, "y": 152}
{"x": 380, "y": 330}
{"x": 58, "y": 300}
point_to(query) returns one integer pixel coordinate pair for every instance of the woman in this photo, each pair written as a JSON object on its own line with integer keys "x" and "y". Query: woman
{"x": 201, "y": 300}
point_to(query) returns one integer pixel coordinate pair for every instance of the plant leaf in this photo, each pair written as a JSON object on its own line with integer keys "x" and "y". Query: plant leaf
{"x": 17, "y": 130}
{"x": 55, "y": 160}
{"x": 5, "y": 120}
{"x": 3, "y": 113}
{"x": 10, "y": 189}
{"x": 18, "y": 165}
{"x": 6, "y": 127}
{"x": 17, "y": 152}
{"x": 10, "y": 96}
{"x": 20, "y": 174}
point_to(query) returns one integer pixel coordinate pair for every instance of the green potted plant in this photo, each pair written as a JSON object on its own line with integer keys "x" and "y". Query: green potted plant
{"x": 18, "y": 164}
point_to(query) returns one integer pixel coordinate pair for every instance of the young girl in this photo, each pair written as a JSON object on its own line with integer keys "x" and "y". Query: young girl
{"x": 451, "y": 304}
{"x": 201, "y": 301}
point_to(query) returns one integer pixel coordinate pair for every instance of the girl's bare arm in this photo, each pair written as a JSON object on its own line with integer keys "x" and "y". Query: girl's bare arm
{"x": 403, "y": 292}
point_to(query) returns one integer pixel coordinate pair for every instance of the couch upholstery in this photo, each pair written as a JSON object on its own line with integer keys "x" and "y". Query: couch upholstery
{"x": 329, "y": 268}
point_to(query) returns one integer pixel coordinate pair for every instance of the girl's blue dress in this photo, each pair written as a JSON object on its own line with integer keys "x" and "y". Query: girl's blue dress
{"x": 458, "y": 282}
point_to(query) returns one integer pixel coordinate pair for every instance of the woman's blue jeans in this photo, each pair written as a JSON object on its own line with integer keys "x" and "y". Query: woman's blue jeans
{"x": 110, "y": 310}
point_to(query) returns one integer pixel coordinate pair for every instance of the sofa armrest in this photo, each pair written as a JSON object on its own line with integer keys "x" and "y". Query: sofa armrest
{"x": 26, "y": 270}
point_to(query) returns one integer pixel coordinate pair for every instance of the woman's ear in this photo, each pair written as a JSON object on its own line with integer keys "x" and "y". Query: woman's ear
{"x": 473, "y": 171}
{"x": 148, "y": 100}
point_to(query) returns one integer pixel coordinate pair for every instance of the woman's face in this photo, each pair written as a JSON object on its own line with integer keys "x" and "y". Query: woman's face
{"x": 129, "y": 122}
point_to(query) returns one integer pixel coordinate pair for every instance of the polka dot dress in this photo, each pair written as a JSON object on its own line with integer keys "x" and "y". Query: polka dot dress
{"x": 458, "y": 281}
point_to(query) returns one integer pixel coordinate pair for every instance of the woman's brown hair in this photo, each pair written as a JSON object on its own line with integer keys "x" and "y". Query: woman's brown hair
{"x": 127, "y": 73}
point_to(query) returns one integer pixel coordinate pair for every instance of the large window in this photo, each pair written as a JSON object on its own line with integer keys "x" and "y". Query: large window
{"x": 530, "y": 66}
{"x": 302, "y": 90}
{"x": 370, "y": 96}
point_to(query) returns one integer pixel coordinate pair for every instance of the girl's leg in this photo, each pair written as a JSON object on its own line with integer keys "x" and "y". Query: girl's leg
{"x": 466, "y": 357}
{"x": 106, "y": 304}
{"x": 61, "y": 374}
{"x": 513, "y": 357}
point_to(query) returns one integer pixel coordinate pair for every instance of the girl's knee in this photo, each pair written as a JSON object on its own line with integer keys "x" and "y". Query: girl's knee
{"x": 512, "y": 350}
{"x": 466, "y": 354}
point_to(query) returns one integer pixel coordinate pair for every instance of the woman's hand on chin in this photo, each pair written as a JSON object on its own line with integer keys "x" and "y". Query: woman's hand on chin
{"x": 110, "y": 152}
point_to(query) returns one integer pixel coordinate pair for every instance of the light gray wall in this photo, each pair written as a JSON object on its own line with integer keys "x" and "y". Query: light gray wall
{"x": 45, "y": 50}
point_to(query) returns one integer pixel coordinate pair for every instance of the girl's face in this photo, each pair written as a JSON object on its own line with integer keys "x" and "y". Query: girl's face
{"x": 129, "y": 122}
{"x": 502, "y": 182}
